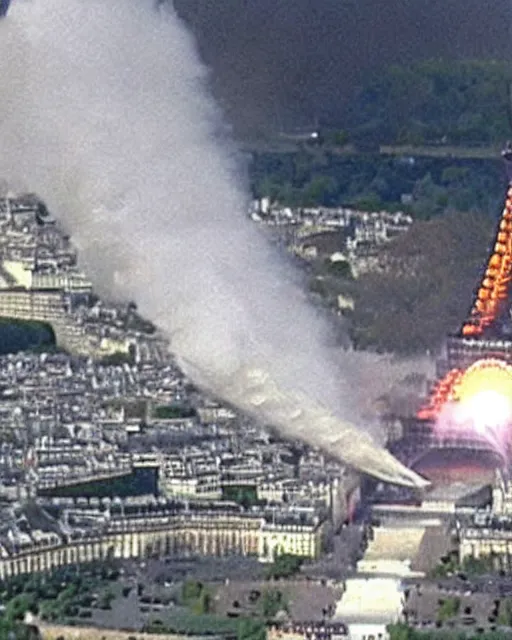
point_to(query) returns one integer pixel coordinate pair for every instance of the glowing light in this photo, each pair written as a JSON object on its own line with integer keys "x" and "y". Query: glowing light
{"x": 485, "y": 375}
{"x": 493, "y": 291}
{"x": 486, "y": 409}
{"x": 474, "y": 403}
{"x": 477, "y": 403}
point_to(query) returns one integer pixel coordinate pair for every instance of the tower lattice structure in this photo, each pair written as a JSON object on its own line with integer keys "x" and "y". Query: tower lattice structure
{"x": 493, "y": 293}
{"x": 481, "y": 336}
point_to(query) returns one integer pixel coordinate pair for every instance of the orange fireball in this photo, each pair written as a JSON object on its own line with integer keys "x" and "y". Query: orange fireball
{"x": 485, "y": 375}
{"x": 483, "y": 391}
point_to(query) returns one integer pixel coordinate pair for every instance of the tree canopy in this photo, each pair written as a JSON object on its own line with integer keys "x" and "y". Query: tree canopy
{"x": 435, "y": 102}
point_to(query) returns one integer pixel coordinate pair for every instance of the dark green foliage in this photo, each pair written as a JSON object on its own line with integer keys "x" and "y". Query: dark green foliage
{"x": 18, "y": 630}
{"x": 201, "y": 620}
{"x": 449, "y": 608}
{"x": 17, "y": 607}
{"x": 447, "y": 566}
{"x": 58, "y": 596}
{"x": 304, "y": 178}
{"x": 246, "y": 496}
{"x": 61, "y": 595}
{"x": 251, "y": 629}
{"x": 505, "y": 612}
{"x": 197, "y": 597}
{"x": 173, "y": 412}
{"x": 480, "y": 566}
{"x": 272, "y": 601}
{"x": 434, "y": 102}
{"x": 140, "y": 481}
{"x": 447, "y": 105}
{"x": 191, "y": 591}
{"x": 339, "y": 268}
{"x": 204, "y": 603}
{"x": 373, "y": 182}
{"x": 285, "y": 565}
{"x": 25, "y": 335}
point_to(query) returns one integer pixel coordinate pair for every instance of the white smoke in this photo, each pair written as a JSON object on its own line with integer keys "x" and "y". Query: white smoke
{"x": 104, "y": 112}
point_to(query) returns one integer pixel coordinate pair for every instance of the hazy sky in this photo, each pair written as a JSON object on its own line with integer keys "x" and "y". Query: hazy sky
{"x": 291, "y": 61}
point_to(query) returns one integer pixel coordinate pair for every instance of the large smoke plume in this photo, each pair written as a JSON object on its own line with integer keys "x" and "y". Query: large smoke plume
{"x": 104, "y": 112}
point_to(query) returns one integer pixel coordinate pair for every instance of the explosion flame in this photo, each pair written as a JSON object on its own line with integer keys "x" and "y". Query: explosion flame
{"x": 475, "y": 403}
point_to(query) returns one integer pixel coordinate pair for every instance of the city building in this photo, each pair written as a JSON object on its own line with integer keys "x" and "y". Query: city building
{"x": 327, "y": 630}
{"x": 302, "y": 538}
{"x": 147, "y": 528}
{"x": 488, "y": 534}
{"x": 136, "y": 461}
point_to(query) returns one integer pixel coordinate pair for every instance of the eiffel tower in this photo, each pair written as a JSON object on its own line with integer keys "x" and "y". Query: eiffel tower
{"x": 486, "y": 334}
{"x": 482, "y": 347}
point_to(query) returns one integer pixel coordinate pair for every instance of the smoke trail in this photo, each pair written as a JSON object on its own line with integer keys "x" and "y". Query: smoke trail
{"x": 104, "y": 113}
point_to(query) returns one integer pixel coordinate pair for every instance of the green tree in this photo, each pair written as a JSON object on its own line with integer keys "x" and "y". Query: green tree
{"x": 434, "y": 102}
{"x": 320, "y": 190}
{"x": 250, "y": 629}
{"x": 285, "y": 565}
{"x": 340, "y": 268}
{"x": 399, "y": 631}
{"x": 203, "y": 603}
{"x": 454, "y": 175}
{"x": 477, "y": 566}
{"x": 449, "y": 608}
{"x": 173, "y": 411}
{"x": 190, "y": 591}
{"x": 505, "y": 612}
{"x": 367, "y": 202}
{"x": 20, "y": 605}
{"x": 272, "y": 601}
{"x": 246, "y": 496}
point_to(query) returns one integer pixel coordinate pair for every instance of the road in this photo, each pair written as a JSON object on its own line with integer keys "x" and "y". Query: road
{"x": 442, "y": 151}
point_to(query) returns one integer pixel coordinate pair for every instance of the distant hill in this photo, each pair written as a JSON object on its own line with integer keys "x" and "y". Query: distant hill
{"x": 277, "y": 64}
{"x": 435, "y": 102}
